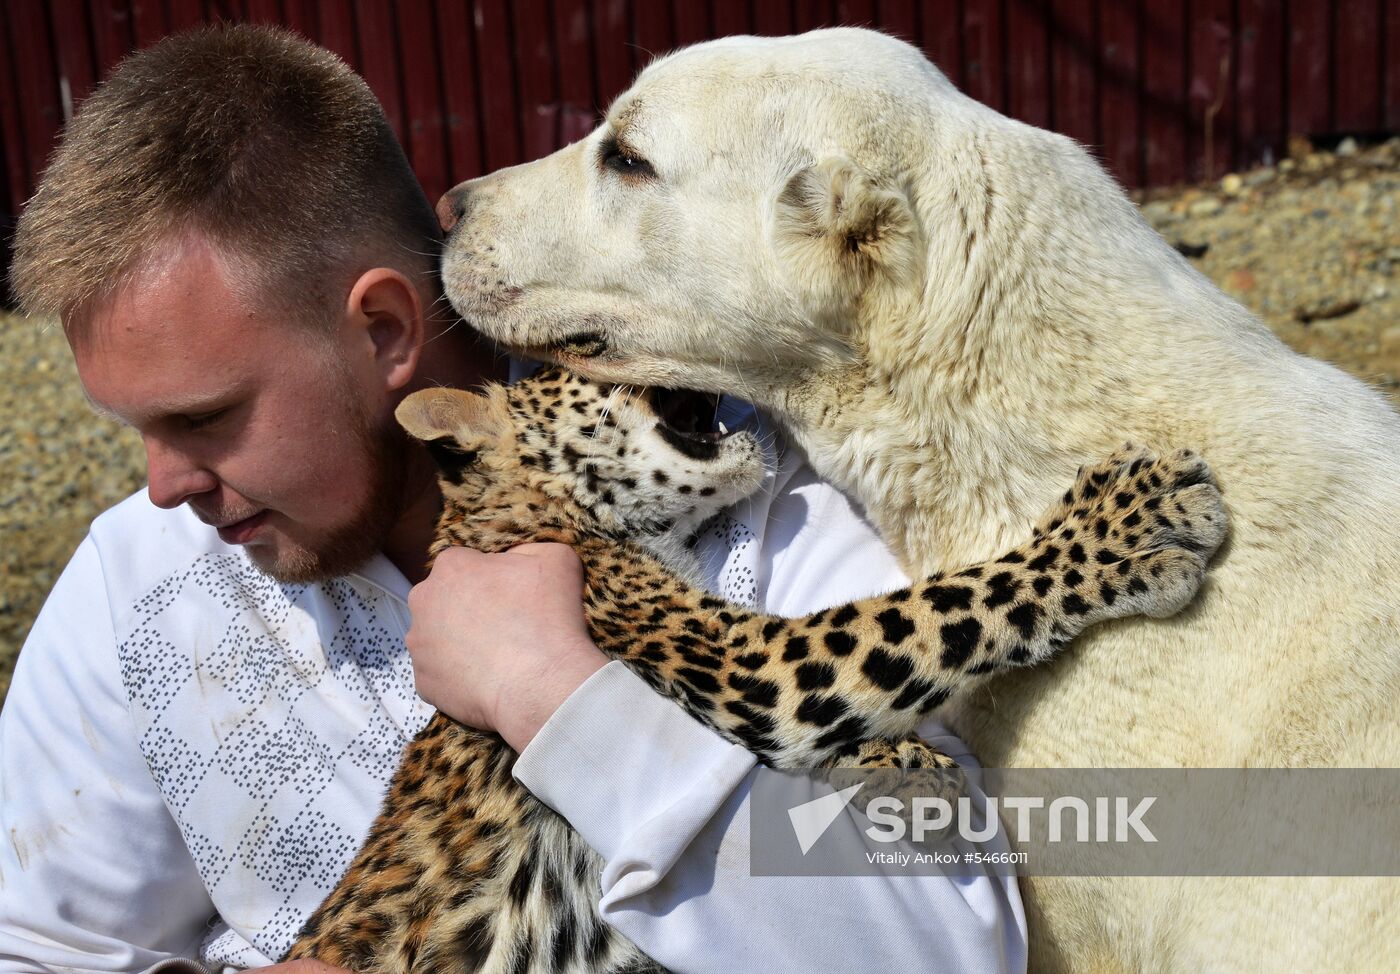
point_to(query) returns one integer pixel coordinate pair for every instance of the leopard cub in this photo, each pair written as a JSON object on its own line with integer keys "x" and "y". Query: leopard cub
{"x": 465, "y": 870}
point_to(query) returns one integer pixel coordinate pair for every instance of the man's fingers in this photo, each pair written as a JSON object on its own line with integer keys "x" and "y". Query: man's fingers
{"x": 552, "y": 557}
{"x": 306, "y": 965}
{"x": 459, "y": 557}
{"x": 543, "y": 549}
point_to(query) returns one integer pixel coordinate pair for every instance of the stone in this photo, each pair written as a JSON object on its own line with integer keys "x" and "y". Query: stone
{"x": 1232, "y": 184}
{"x": 1205, "y": 206}
{"x": 1240, "y": 279}
{"x": 1347, "y": 147}
{"x": 1158, "y": 212}
{"x": 1326, "y": 309}
{"x": 1298, "y": 145}
{"x": 1390, "y": 341}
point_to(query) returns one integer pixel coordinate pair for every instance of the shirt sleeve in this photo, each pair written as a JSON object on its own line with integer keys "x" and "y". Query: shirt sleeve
{"x": 94, "y": 875}
{"x": 664, "y": 800}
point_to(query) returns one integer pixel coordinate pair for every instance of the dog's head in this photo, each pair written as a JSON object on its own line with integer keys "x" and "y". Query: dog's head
{"x": 741, "y": 209}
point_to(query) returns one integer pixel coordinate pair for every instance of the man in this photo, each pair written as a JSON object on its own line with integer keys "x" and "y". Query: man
{"x": 216, "y": 693}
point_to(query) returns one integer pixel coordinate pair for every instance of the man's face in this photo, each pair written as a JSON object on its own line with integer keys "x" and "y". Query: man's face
{"x": 271, "y": 432}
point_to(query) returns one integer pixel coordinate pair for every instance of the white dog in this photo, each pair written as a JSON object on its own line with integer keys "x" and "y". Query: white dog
{"x": 950, "y": 311}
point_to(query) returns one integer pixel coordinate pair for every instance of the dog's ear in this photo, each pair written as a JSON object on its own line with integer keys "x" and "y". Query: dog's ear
{"x": 837, "y": 227}
{"x": 455, "y": 425}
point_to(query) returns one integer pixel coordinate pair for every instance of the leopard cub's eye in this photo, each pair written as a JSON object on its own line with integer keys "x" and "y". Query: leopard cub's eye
{"x": 624, "y": 162}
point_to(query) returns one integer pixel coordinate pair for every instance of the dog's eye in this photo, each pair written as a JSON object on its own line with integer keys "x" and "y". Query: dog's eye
{"x": 625, "y": 163}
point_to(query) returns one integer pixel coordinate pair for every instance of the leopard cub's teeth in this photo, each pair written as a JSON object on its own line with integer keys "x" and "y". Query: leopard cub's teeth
{"x": 723, "y": 430}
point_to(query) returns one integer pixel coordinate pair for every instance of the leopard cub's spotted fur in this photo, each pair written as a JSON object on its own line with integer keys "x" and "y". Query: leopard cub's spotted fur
{"x": 465, "y": 871}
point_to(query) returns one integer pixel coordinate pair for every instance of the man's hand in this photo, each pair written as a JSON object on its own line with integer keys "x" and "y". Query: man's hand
{"x": 307, "y": 965}
{"x": 499, "y": 641}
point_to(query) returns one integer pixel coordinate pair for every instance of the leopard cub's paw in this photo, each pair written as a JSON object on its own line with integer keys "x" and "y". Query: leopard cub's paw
{"x": 906, "y": 770}
{"x": 1135, "y": 502}
{"x": 1143, "y": 527}
{"x": 1168, "y": 502}
{"x": 907, "y": 753}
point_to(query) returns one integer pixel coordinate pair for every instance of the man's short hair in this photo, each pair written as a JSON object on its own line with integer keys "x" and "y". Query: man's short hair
{"x": 270, "y": 146}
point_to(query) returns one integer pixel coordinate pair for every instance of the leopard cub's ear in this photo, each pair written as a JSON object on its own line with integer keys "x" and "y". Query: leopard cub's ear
{"x": 430, "y": 414}
{"x": 455, "y": 425}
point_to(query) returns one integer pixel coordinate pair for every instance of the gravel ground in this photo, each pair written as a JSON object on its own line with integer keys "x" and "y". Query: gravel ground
{"x": 1311, "y": 245}
{"x": 60, "y": 464}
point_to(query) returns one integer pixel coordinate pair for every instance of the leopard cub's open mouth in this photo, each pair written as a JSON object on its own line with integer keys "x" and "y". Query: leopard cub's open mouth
{"x": 687, "y": 420}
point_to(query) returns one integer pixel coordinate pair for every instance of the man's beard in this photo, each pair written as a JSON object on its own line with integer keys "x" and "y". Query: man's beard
{"x": 363, "y": 535}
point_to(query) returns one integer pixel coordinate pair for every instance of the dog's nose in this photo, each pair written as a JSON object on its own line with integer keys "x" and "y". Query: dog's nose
{"x": 451, "y": 207}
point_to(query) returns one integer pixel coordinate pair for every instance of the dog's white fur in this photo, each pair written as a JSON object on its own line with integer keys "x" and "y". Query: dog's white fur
{"x": 950, "y": 311}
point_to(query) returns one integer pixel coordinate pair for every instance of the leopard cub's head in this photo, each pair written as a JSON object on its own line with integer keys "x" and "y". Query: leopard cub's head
{"x": 559, "y": 450}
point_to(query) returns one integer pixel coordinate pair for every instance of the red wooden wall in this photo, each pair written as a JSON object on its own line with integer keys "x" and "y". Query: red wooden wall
{"x": 1164, "y": 90}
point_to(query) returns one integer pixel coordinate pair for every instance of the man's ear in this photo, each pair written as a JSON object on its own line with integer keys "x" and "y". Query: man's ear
{"x": 839, "y": 231}
{"x": 384, "y": 303}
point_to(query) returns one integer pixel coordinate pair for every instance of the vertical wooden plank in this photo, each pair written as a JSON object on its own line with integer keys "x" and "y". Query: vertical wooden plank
{"x": 379, "y": 59}
{"x": 112, "y": 34}
{"x": 1392, "y": 65}
{"x": 77, "y": 62}
{"x": 1357, "y": 41}
{"x": 12, "y": 177}
{"x": 18, "y": 171}
{"x": 425, "y": 140}
{"x": 692, "y": 20}
{"x": 149, "y": 21}
{"x": 1164, "y": 88}
{"x": 1074, "y": 95}
{"x": 1259, "y": 83}
{"x": 812, "y": 14}
{"x": 772, "y": 18}
{"x": 263, "y": 11}
{"x": 226, "y": 11}
{"x": 900, "y": 18}
{"x": 1027, "y": 64}
{"x": 539, "y": 87}
{"x": 653, "y": 33}
{"x": 1211, "y": 67}
{"x": 943, "y": 37}
{"x": 1120, "y": 130}
{"x": 300, "y": 16}
{"x": 185, "y": 14}
{"x": 984, "y": 52}
{"x": 1309, "y": 48}
{"x": 456, "y": 44}
{"x": 855, "y": 13}
{"x": 336, "y": 31}
{"x": 36, "y": 81}
{"x": 500, "y": 112}
{"x": 612, "y": 64}
{"x": 572, "y": 43}
{"x": 732, "y": 17}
